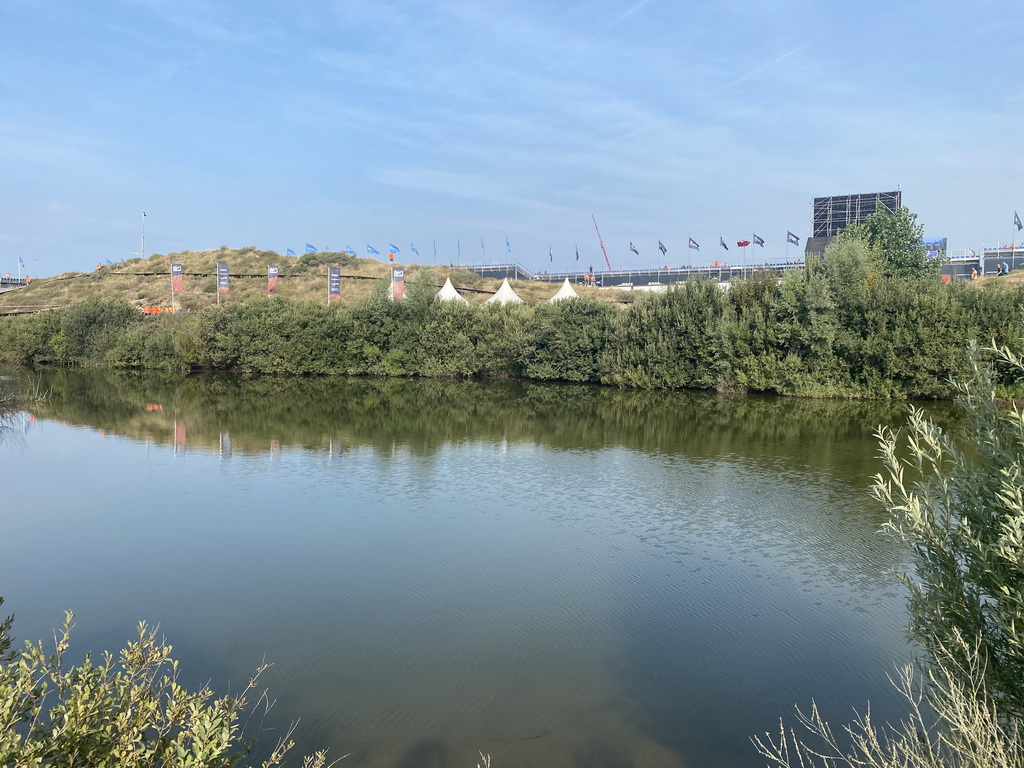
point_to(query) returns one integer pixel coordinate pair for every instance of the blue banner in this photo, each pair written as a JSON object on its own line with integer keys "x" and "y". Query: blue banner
{"x": 333, "y": 283}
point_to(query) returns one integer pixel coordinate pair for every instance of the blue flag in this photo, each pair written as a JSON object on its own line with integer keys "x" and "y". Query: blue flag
{"x": 394, "y": 248}
{"x": 371, "y": 250}
{"x": 109, "y": 261}
{"x": 435, "y": 250}
{"x": 289, "y": 252}
{"x": 310, "y": 248}
{"x": 482, "y": 246}
{"x": 1016, "y": 222}
{"x": 791, "y": 238}
{"x": 21, "y": 261}
{"x": 508, "y": 245}
{"x": 414, "y": 249}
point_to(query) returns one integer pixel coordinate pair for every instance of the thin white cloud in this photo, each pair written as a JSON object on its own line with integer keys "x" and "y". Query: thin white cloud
{"x": 197, "y": 18}
{"x": 762, "y": 67}
{"x": 602, "y": 31}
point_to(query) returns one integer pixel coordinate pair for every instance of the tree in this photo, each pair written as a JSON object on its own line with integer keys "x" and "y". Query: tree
{"x": 895, "y": 242}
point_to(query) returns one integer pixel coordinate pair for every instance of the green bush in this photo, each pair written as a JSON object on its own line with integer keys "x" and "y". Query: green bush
{"x": 957, "y": 500}
{"x": 838, "y": 329}
{"x": 127, "y": 711}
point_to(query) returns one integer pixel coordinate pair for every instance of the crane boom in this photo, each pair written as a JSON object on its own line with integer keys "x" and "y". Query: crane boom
{"x": 602, "y": 244}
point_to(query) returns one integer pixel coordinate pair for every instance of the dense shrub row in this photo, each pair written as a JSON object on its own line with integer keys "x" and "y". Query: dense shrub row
{"x": 838, "y": 329}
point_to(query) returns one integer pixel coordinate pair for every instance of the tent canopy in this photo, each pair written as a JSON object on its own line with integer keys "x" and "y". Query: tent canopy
{"x": 505, "y": 295}
{"x": 448, "y": 293}
{"x": 565, "y": 292}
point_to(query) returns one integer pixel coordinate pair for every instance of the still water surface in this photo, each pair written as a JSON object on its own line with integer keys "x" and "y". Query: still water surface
{"x": 555, "y": 575}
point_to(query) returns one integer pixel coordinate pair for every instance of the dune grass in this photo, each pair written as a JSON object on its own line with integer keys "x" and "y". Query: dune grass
{"x": 147, "y": 282}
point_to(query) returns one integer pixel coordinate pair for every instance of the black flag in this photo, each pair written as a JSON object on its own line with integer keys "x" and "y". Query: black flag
{"x": 791, "y": 238}
{"x": 721, "y": 242}
{"x": 662, "y": 248}
{"x": 633, "y": 248}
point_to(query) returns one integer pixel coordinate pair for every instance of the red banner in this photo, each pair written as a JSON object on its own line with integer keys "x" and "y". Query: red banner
{"x": 397, "y": 283}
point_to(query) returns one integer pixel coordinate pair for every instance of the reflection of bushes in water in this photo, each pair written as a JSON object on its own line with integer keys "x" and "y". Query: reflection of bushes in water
{"x": 423, "y": 415}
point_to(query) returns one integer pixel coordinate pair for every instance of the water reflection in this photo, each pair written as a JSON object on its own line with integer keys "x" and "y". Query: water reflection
{"x": 267, "y": 414}
{"x": 555, "y": 574}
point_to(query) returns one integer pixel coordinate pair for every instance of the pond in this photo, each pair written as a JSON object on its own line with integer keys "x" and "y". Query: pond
{"x": 552, "y": 574}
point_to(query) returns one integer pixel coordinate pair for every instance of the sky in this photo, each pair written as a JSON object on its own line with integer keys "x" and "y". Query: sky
{"x": 495, "y": 130}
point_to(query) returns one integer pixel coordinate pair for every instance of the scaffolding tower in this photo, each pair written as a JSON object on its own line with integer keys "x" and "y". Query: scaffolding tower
{"x": 831, "y": 215}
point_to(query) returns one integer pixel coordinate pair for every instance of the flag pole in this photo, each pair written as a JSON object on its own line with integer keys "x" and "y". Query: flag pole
{"x": 1013, "y": 250}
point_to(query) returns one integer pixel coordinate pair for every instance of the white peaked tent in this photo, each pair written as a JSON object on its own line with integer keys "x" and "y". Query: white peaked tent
{"x": 505, "y": 295}
{"x": 448, "y": 293}
{"x": 565, "y": 292}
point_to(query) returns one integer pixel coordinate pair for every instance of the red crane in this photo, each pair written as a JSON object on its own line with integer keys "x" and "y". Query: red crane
{"x": 602, "y": 244}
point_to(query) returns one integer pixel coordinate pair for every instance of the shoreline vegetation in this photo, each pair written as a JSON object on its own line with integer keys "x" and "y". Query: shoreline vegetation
{"x": 846, "y": 327}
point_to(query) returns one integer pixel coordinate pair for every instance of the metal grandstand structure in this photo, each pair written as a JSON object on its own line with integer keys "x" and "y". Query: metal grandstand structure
{"x": 831, "y": 215}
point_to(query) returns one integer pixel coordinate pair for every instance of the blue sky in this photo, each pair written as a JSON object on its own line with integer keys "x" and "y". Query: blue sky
{"x": 277, "y": 124}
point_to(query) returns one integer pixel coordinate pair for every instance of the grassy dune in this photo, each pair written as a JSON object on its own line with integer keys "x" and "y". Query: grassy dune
{"x": 147, "y": 282}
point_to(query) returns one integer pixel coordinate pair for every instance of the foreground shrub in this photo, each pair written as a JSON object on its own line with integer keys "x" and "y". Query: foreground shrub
{"x": 127, "y": 712}
{"x": 958, "y": 500}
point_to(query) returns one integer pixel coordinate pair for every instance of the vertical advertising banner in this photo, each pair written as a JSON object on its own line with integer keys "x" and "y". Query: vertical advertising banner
{"x": 222, "y": 277}
{"x": 177, "y": 282}
{"x": 398, "y": 283}
{"x": 333, "y": 283}
{"x": 271, "y": 278}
